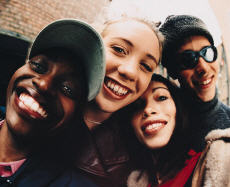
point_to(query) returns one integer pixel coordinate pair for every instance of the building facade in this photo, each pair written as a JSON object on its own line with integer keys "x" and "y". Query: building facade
{"x": 21, "y": 20}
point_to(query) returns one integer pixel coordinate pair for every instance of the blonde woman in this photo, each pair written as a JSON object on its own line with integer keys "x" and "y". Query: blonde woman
{"x": 133, "y": 51}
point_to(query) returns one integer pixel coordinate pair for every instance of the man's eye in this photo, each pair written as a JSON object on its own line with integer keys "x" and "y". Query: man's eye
{"x": 162, "y": 98}
{"x": 119, "y": 50}
{"x": 38, "y": 67}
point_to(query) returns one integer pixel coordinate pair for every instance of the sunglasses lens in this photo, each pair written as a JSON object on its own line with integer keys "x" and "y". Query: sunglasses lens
{"x": 188, "y": 60}
{"x": 208, "y": 54}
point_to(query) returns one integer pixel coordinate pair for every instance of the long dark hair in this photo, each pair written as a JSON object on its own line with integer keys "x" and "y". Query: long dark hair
{"x": 167, "y": 161}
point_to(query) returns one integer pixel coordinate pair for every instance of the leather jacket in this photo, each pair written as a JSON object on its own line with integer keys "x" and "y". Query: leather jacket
{"x": 103, "y": 156}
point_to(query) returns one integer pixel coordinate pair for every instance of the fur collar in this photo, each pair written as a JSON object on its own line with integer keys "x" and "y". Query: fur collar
{"x": 218, "y": 134}
{"x": 218, "y": 159}
{"x": 138, "y": 179}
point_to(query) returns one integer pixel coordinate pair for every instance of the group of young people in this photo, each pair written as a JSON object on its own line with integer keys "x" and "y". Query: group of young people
{"x": 86, "y": 109}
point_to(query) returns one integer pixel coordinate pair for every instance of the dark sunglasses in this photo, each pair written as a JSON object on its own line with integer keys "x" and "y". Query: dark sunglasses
{"x": 189, "y": 59}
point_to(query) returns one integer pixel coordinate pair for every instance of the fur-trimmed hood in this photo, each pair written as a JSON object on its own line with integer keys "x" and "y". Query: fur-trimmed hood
{"x": 213, "y": 168}
{"x": 138, "y": 179}
{"x": 218, "y": 134}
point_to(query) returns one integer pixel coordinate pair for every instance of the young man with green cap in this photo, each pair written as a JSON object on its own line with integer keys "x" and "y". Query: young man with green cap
{"x": 190, "y": 56}
{"x": 45, "y": 99}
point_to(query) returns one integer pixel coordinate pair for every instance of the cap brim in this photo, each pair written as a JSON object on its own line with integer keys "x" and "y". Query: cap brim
{"x": 80, "y": 38}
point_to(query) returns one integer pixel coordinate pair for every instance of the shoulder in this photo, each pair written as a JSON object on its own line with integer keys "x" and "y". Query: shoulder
{"x": 218, "y": 134}
{"x": 219, "y": 140}
{"x": 225, "y": 108}
{"x": 138, "y": 178}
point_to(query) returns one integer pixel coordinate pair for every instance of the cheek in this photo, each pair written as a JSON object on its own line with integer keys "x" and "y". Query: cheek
{"x": 215, "y": 66}
{"x": 172, "y": 110}
{"x": 69, "y": 108}
{"x": 172, "y": 113}
{"x": 143, "y": 82}
{"x": 17, "y": 74}
{"x": 136, "y": 123}
{"x": 186, "y": 75}
{"x": 110, "y": 61}
{"x": 169, "y": 109}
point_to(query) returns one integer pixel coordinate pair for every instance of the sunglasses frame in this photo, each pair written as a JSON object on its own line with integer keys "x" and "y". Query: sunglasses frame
{"x": 197, "y": 55}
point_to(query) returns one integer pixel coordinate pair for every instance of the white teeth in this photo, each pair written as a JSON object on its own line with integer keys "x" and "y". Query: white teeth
{"x": 117, "y": 89}
{"x": 31, "y": 104}
{"x": 206, "y": 82}
{"x": 154, "y": 126}
{"x": 35, "y": 106}
{"x": 120, "y": 91}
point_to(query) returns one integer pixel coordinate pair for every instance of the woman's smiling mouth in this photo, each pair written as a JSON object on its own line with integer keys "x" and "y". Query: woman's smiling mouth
{"x": 116, "y": 89}
{"x": 152, "y": 127}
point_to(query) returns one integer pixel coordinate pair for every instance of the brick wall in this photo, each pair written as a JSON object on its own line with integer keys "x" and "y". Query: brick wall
{"x": 28, "y": 17}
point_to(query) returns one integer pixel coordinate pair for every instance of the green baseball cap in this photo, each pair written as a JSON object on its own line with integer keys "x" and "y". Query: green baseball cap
{"x": 81, "y": 38}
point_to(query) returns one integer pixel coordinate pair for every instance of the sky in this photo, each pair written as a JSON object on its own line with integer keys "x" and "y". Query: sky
{"x": 158, "y": 10}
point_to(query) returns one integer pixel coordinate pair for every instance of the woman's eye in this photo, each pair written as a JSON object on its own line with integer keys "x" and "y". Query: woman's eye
{"x": 38, "y": 67}
{"x": 146, "y": 67}
{"x": 162, "y": 98}
{"x": 119, "y": 50}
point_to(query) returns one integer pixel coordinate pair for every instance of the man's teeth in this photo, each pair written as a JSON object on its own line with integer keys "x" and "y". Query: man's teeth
{"x": 205, "y": 82}
{"x": 117, "y": 89}
{"x": 33, "y": 105}
{"x": 154, "y": 126}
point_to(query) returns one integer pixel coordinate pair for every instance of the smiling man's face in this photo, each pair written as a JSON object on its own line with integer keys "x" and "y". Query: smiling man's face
{"x": 202, "y": 78}
{"x": 42, "y": 95}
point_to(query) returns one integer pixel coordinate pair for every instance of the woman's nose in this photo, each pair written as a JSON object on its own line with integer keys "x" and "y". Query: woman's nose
{"x": 148, "y": 111}
{"x": 128, "y": 70}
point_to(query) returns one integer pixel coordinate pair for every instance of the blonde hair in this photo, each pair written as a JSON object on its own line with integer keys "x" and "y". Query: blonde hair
{"x": 120, "y": 10}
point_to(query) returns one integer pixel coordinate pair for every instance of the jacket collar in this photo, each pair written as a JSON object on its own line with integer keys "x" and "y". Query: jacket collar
{"x": 101, "y": 150}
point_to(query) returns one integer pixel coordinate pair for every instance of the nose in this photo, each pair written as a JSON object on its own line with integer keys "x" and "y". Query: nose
{"x": 148, "y": 111}
{"x": 128, "y": 70}
{"x": 43, "y": 83}
{"x": 202, "y": 67}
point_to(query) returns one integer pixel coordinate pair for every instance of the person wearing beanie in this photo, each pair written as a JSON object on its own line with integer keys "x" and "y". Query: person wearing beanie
{"x": 45, "y": 99}
{"x": 190, "y": 56}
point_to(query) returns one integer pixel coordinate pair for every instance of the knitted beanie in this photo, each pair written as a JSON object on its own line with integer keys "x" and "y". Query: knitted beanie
{"x": 176, "y": 29}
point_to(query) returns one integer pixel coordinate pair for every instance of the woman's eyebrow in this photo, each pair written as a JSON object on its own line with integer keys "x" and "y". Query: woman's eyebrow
{"x": 125, "y": 40}
{"x": 154, "y": 89}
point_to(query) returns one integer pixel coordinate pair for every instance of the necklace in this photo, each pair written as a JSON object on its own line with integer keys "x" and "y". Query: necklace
{"x": 91, "y": 121}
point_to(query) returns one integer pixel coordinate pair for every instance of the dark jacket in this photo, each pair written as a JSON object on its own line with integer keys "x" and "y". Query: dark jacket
{"x": 36, "y": 173}
{"x": 205, "y": 117}
{"x": 103, "y": 155}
